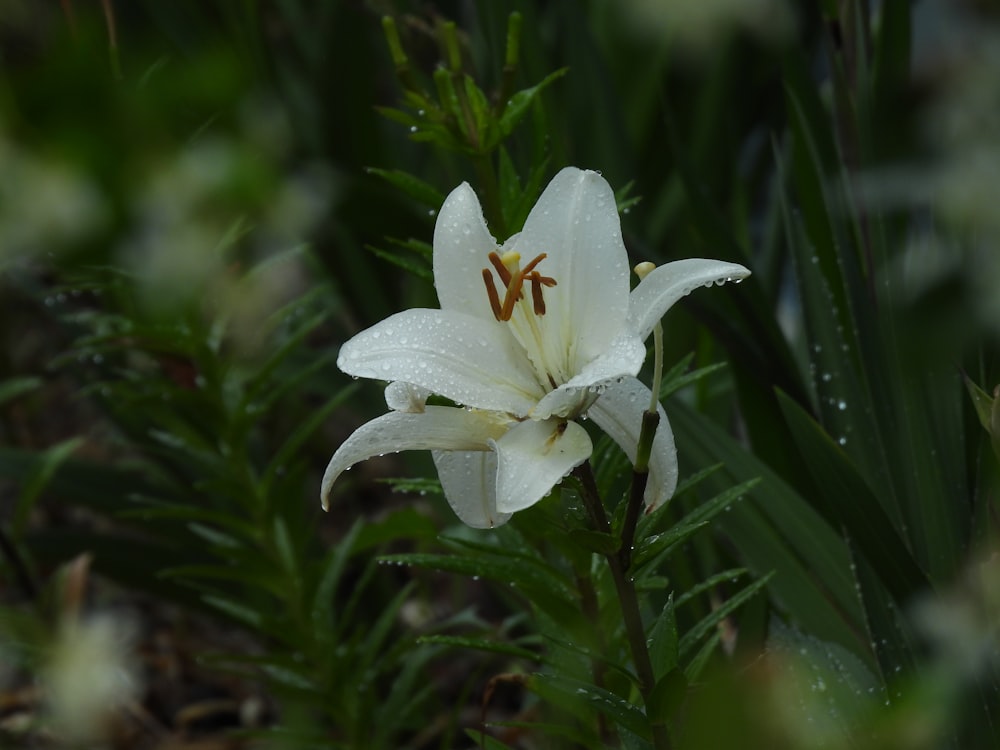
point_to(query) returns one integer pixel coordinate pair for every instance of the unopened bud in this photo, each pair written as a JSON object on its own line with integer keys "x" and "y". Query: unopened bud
{"x": 642, "y": 270}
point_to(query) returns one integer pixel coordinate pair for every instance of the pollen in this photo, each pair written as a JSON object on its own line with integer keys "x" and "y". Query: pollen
{"x": 514, "y": 278}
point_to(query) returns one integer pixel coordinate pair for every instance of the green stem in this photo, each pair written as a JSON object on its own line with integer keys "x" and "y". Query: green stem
{"x": 628, "y": 599}
{"x": 490, "y": 193}
{"x": 637, "y": 492}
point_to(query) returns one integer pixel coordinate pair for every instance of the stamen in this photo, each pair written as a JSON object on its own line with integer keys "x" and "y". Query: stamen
{"x": 500, "y": 267}
{"x": 531, "y": 266}
{"x": 513, "y": 279}
{"x": 491, "y": 292}
{"x": 513, "y": 295}
{"x": 536, "y": 295}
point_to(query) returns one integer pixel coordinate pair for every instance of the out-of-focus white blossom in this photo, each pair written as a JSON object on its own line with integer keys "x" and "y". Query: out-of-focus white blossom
{"x": 699, "y": 25}
{"x": 45, "y": 206}
{"x": 90, "y": 675}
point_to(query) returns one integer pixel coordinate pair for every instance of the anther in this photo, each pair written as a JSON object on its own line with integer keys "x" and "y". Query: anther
{"x": 491, "y": 292}
{"x": 537, "y": 300}
{"x": 500, "y": 267}
{"x": 513, "y": 279}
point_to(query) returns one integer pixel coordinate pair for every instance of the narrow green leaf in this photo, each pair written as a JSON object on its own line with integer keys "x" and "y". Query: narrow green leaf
{"x": 42, "y": 470}
{"x": 777, "y": 530}
{"x": 650, "y": 548}
{"x": 850, "y": 505}
{"x": 421, "y": 191}
{"x": 13, "y": 388}
{"x": 218, "y": 539}
{"x": 520, "y": 102}
{"x": 484, "y": 740}
{"x": 702, "y": 628}
{"x": 595, "y": 541}
{"x": 293, "y": 443}
{"x": 480, "y": 644}
{"x": 582, "y": 694}
{"x": 417, "y": 268}
{"x": 330, "y": 576}
{"x": 674, "y": 384}
{"x": 237, "y": 611}
{"x": 663, "y": 640}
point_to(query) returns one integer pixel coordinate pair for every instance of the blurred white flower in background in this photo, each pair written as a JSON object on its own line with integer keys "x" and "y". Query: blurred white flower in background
{"x": 45, "y": 206}
{"x": 90, "y": 675}
{"x": 699, "y": 25}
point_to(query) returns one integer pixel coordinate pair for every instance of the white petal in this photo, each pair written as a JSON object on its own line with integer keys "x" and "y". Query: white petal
{"x": 619, "y": 413}
{"x": 464, "y": 358}
{"x": 533, "y": 457}
{"x": 461, "y": 246}
{"x": 624, "y": 358}
{"x": 656, "y": 293}
{"x": 576, "y": 223}
{"x": 400, "y": 396}
{"x": 469, "y": 480}
{"x": 440, "y": 427}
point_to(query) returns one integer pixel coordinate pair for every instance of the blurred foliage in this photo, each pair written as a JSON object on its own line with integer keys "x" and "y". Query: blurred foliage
{"x": 202, "y": 200}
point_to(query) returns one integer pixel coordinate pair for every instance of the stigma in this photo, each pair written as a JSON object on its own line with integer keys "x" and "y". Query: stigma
{"x": 514, "y": 278}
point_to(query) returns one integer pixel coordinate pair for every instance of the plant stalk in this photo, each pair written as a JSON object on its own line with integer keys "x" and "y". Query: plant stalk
{"x": 627, "y": 596}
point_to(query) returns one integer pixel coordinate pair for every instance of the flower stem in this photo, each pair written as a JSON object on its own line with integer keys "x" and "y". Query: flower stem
{"x": 627, "y": 596}
{"x": 492, "y": 205}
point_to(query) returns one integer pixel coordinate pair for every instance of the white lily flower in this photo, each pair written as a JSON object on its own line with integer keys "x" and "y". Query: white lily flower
{"x": 530, "y": 336}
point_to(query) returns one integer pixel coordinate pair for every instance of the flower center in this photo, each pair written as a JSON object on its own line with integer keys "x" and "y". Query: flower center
{"x": 514, "y": 278}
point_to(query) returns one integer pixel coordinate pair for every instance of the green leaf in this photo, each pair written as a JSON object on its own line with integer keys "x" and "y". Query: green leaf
{"x": 13, "y": 388}
{"x": 407, "y": 523}
{"x": 674, "y": 383}
{"x": 706, "y": 624}
{"x": 778, "y": 530}
{"x": 546, "y": 590}
{"x": 413, "y": 186}
{"x": 480, "y": 644}
{"x": 650, "y": 548}
{"x": 669, "y": 692}
{"x": 663, "y": 641}
{"x": 484, "y": 740}
{"x": 331, "y": 573}
{"x": 520, "y": 102}
{"x": 418, "y": 269}
{"x": 595, "y": 541}
{"x": 236, "y": 610}
{"x": 850, "y": 505}
{"x": 293, "y": 443}
{"x": 580, "y": 694}
{"x": 982, "y": 401}
{"x": 43, "y": 469}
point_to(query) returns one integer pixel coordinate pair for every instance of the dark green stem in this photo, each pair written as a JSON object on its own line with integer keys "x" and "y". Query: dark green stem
{"x": 490, "y": 192}
{"x": 510, "y": 62}
{"x": 640, "y": 477}
{"x": 627, "y": 598}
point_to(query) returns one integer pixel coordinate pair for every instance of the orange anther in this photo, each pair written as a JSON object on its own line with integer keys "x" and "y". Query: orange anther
{"x": 491, "y": 292}
{"x": 513, "y": 282}
{"x": 501, "y": 268}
